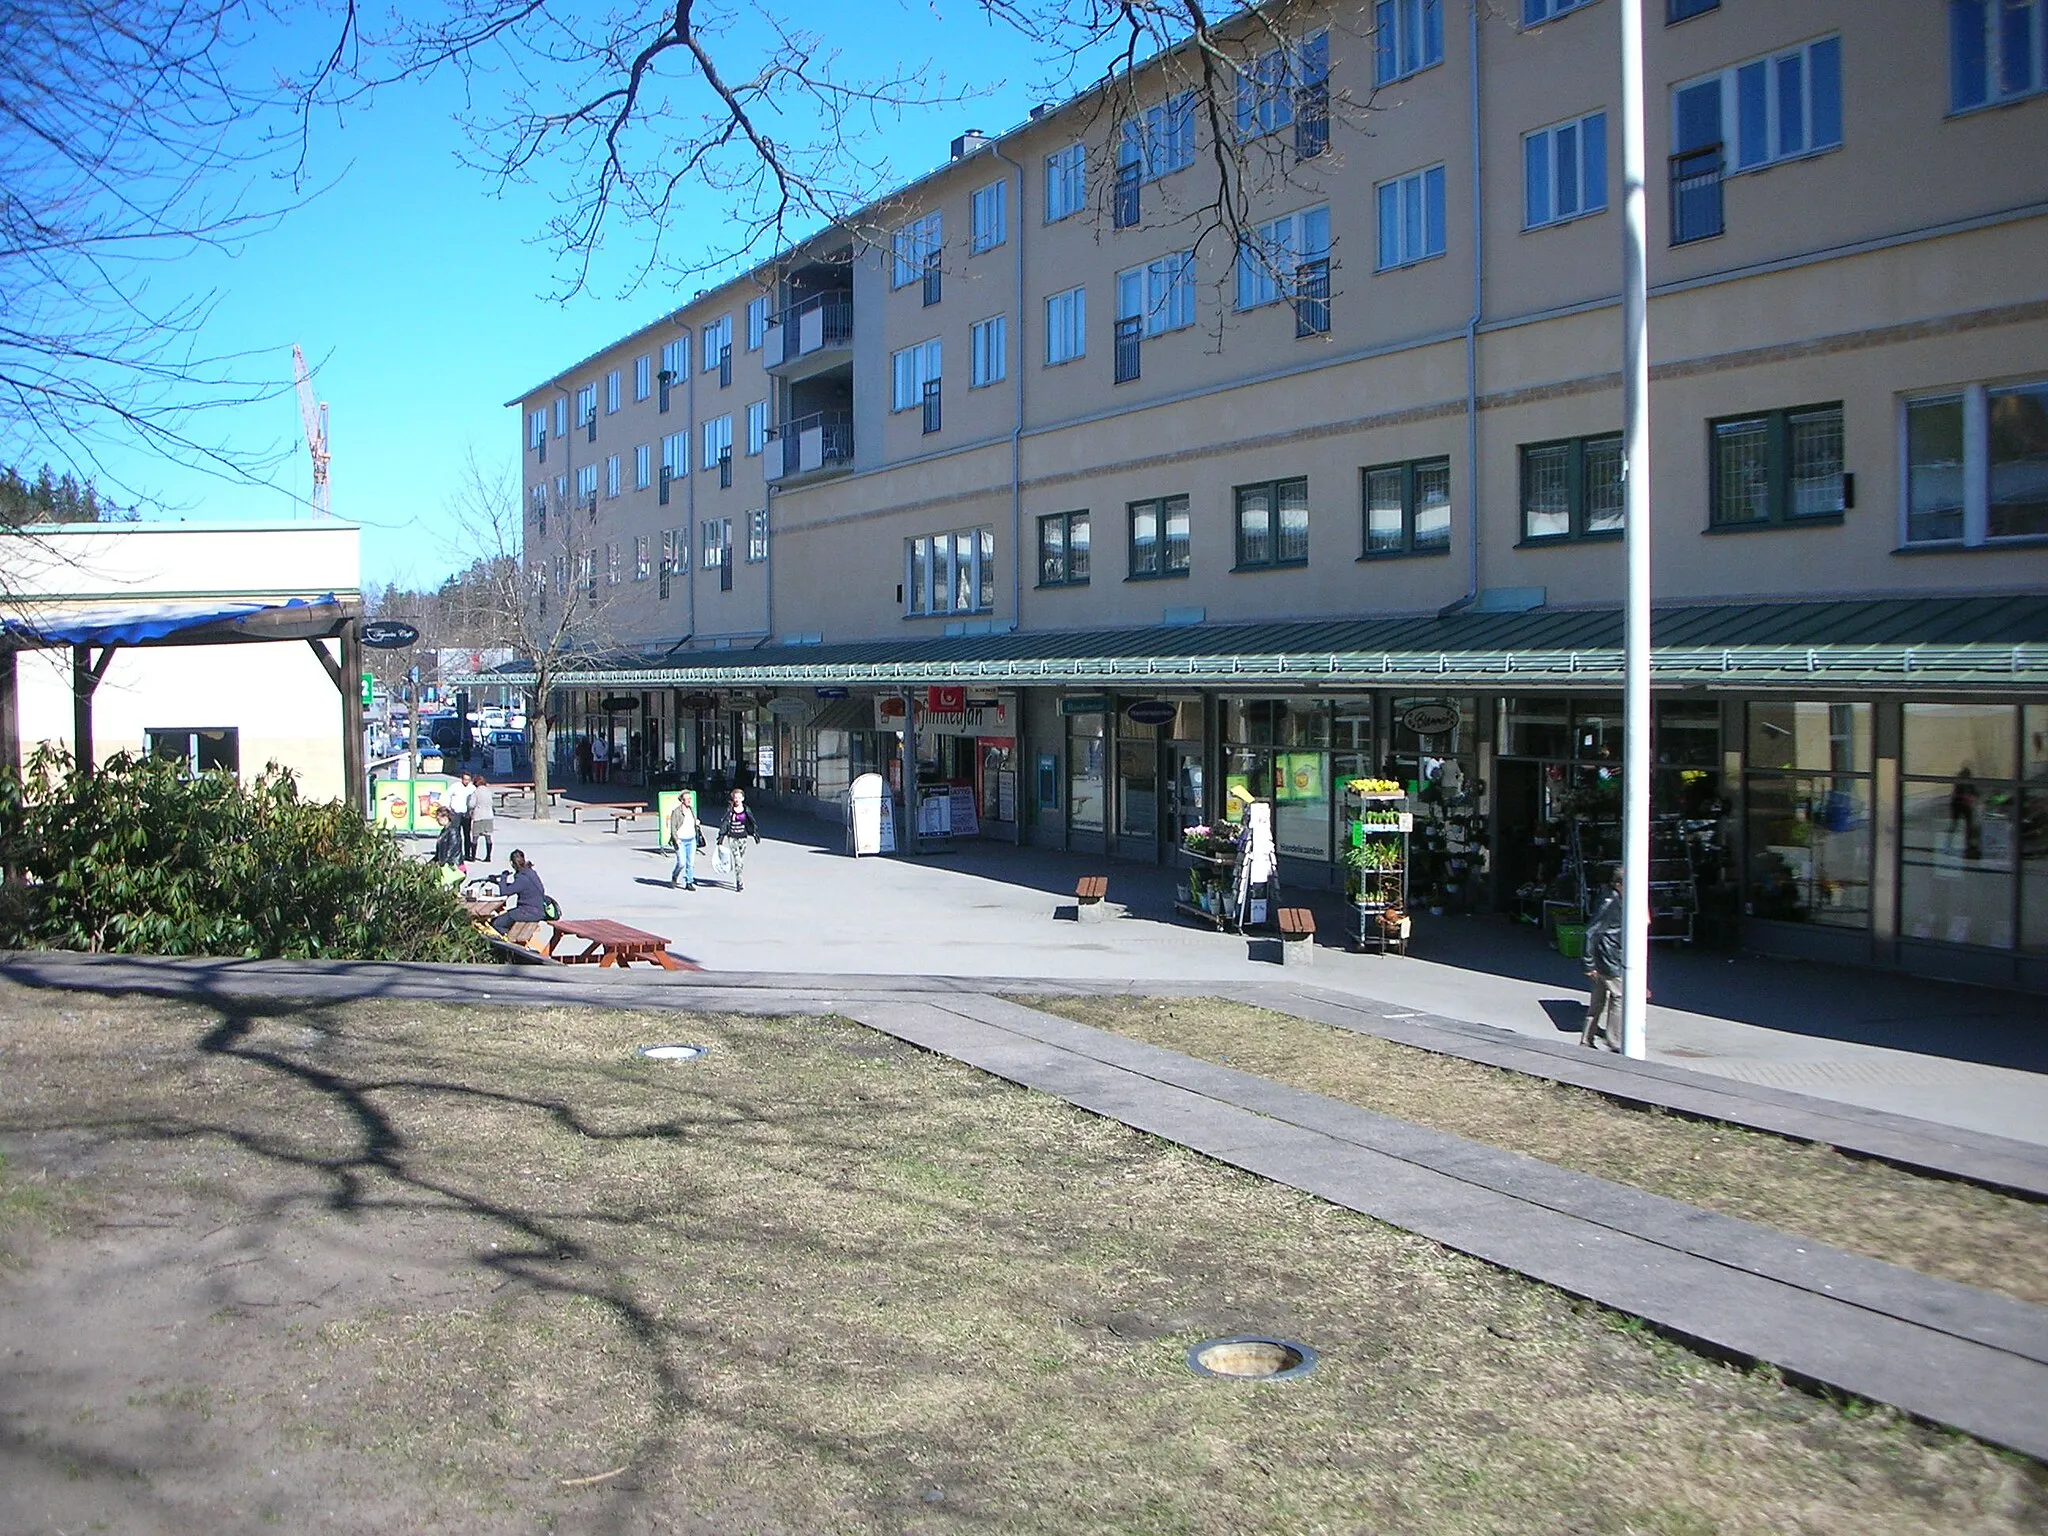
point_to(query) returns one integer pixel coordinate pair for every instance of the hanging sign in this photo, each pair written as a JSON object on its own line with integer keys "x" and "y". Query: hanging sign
{"x": 1152, "y": 712}
{"x": 1430, "y": 719}
{"x": 621, "y": 703}
{"x": 1085, "y": 704}
{"x": 945, "y": 700}
{"x": 966, "y": 717}
{"x": 700, "y": 701}
{"x": 830, "y": 693}
{"x": 389, "y": 635}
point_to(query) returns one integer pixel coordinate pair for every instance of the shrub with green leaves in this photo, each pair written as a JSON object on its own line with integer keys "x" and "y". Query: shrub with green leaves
{"x": 143, "y": 857}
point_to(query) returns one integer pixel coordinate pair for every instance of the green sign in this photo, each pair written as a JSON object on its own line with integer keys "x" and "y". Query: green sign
{"x": 369, "y": 690}
{"x": 1085, "y": 704}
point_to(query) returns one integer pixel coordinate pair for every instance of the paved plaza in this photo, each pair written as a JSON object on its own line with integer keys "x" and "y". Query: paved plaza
{"x": 1965, "y": 1056}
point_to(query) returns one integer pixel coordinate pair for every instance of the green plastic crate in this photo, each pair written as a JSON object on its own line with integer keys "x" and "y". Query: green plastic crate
{"x": 1571, "y": 940}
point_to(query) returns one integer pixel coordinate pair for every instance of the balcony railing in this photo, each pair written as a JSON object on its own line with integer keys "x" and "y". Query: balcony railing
{"x": 1130, "y": 334}
{"x": 725, "y": 469}
{"x": 541, "y": 448}
{"x": 1696, "y": 194}
{"x": 821, "y": 440}
{"x": 1311, "y": 120}
{"x": 725, "y": 365}
{"x": 931, "y": 405}
{"x": 1312, "y": 298}
{"x": 931, "y": 277}
{"x": 820, "y": 321}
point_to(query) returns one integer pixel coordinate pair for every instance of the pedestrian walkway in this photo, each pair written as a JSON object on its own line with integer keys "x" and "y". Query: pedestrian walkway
{"x": 1965, "y": 1056}
{"x": 1943, "y": 1351}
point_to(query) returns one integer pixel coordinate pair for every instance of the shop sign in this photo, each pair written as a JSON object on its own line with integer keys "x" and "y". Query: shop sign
{"x": 621, "y": 703}
{"x": 700, "y": 701}
{"x": 1152, "y": 712}
{"x": 1430, "y": 719}
{"x": 968, "y": 717}
{"x": 831, "y": 693}
{"x": 1085, "y": 704}
{"x": 788, "y": 708}
{"x": 389, "y": 635}
{"x": 945, "y": 700}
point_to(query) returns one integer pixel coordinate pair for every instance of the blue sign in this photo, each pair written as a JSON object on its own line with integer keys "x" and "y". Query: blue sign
{"x": 831, "y": 693}
{"x": 1151, "y": 712}
{"x": 1086, "y": 704}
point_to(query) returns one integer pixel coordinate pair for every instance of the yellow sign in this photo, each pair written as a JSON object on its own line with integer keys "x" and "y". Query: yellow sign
{"x": 394, "y": 804}
{"x": 665, "y": 802}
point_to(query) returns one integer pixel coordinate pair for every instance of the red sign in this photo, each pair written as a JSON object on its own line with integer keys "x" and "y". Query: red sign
{"x": 945, "y": 701}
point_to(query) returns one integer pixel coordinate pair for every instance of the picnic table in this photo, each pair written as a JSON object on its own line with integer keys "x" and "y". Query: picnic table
{"x": 620, "y": 811}
{"x": 518, "y": 789}
{"x": 614, "y": 944}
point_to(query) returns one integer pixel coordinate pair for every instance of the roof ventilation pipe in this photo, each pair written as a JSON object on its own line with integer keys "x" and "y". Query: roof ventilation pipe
{"x": 969, "y": 142}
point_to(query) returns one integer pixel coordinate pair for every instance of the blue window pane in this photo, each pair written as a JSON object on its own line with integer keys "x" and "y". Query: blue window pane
{"x": 1411, "y": 218}
{"x": 1699, "y": 116}
{"x": 2015, "y": 48}
{"x": 1532, "y": 12}
{"x": 1390, "y": 225}
{"x": 1824, "y": 65}
{"x": 1432, "y": 32}
{"x": 1752, "y": 120}
{"x": 1433, "y": 197}
{"x": 1315, "y": 235}
{"x": 1536, "y": 178}
{"x": 1791, "y": 105}
{"x": 1567, "y": 170}
{"x": 1968, "y": 69}
{"x": 1315, "y": 60}
{"x": 1595, "y": 148}
{"x": 1383, "y": 67}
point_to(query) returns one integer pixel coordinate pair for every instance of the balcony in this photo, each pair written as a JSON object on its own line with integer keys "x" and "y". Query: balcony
{"x": 810, "y": 336}
{"x": 1696, "y": 194}
{"x": 811, "y": 447}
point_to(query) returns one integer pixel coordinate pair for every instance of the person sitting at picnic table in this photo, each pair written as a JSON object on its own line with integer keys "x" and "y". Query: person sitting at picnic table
{"x": 528, "y": 898}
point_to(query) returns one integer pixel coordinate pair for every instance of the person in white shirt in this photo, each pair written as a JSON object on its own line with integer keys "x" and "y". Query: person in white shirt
{"x": 458, "y": 803}
{"x": 601, "y": 759}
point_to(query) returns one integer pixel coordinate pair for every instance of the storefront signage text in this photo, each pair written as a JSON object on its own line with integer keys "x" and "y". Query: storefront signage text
{"x": 968, "y": 717}
{"x": 389, "y": 635}
{"x": 1085, "y": 704}
{"x": 1151, "y": 712}
{"x": 1430, "y": 719}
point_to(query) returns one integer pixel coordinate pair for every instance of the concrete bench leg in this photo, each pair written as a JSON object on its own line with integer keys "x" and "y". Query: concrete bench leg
{"x": 1091, "y": 911}
{"x": 1298, "y": 951}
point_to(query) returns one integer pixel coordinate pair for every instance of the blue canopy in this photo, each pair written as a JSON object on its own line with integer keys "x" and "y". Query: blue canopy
{"x": 190, "y": 623}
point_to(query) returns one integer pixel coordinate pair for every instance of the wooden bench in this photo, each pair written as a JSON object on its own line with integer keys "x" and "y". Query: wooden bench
{"x": 519, "y": 943}
{"x": 1091, "y": 892}
{"x": 608, "y": 943}
{"x": 618, "y": 810}
{"x": 1297, "y": 936}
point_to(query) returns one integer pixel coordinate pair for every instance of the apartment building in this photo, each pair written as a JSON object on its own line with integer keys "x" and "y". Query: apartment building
{"x": 1114, "y": 500}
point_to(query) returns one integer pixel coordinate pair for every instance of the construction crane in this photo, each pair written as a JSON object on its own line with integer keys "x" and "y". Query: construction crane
{"x": 315, "y": 417}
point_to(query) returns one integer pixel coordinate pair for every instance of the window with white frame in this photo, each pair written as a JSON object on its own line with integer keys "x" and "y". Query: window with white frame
{"x": 586, "y": 483}
{"x": 611, "y": 564}
{"x": 911, "y": 247}
{"x": 643, "y": 466}
{"x": 757, "y": 323}
{"x": 1997, "y": 51}
{"x": 1535, "y": 12}
{"x": 1066, "y": 326}
{"x": 611, "y": 477}
{"x": 537, "y": 504}
{"x": 757, "y": 535}
{"x": 586, "y": 405}
{"x": 1066, "y": 183}
{"x": 717, "y": 343}
{"x": 1269, "y": 265}
{"x": 1267, "y": 85}
{"x": 611, "y": 393}
{"x": 1977, "y": 464}
{"x": 562, "y": 572}
{"x": 1564, "y": 171}
{"x": 1407, "y": 38}
{"x": 675, "y": 357}
{"x": 717, "y": 440}
{"x": 561, "y": 490}
{"x": 643, "y": 557}
{"x": 537, "y": 428}
{"x": 675, "y": 455}
{"x": 717, "y": 541}
{"x": 989, "y": 342}
{"x": 1160, "y": 294}
{"x": 1161, "y": 139}
{"x": 1779, "y": 107}
{"x": 912, "y": 369}
{"x": 643, "y": 377}
{"x": 561, "y": 417}
{"x": 1411, "y": 218}
{"x": 950, "y": 572}
{"x": 586, "y": 571}
{"x": 757, "y": 427}
{"x": 988, "y": 217}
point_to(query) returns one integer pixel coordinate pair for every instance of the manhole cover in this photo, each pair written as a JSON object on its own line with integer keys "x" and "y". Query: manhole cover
{"x": 1251, "y": 1359}
{"x": 674, "y": 1052}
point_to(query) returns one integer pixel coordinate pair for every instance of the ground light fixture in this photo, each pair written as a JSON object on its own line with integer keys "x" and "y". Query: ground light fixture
{"x": 1251, "y": 1357}
{"x": 674, "y": 1052}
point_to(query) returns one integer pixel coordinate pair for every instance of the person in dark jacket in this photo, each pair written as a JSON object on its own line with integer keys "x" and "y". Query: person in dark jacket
{"x": 448, "y": 846}
{"x": 528, "y": 897}
{"x": 1603, "y": 969}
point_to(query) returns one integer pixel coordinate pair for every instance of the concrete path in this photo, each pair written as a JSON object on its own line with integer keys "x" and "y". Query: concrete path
{"x": 1965, "y": 1056}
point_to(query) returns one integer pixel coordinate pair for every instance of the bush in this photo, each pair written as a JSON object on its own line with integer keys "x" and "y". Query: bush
{"x": 142, "y": 857}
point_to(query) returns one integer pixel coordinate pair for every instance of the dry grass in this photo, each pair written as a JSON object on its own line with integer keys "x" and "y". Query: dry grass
{"x": 1937, "y": 1226}
{"x": 490, "y": 1273}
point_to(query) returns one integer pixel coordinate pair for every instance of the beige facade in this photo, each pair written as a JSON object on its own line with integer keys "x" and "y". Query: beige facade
{"x": 1848, "y": 259}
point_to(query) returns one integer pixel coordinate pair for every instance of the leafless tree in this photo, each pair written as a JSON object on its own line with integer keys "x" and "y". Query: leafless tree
{"x": 537, "y": 587}
{"x": 132, "y": 135}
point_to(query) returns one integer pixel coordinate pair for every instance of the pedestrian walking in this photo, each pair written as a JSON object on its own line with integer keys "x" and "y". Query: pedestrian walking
{"x": 483, "y": 815}
{"x": 687, "y": 833}
{"x": 1604, "y": 968}
{"x": 580, "y": 754}
{"x": 740, "y": 825}
{"x": 601, "y": 759}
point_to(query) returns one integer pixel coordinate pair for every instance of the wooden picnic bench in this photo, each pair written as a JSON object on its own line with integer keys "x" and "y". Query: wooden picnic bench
{"x": 519, "y": 942}
{"x": 515, "y": 789}
{"x": 1297, "y": 936}
{"x": 608, "y": 943}
{"x": 1090, "y": 892}
{"x": 620, "y": 811}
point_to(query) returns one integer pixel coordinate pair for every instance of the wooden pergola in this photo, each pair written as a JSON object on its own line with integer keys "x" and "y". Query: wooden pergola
{"x": 94, "y": 632}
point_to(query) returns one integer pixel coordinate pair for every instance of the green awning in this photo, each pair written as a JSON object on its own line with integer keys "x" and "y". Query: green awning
{"x": 1895, "y": 644}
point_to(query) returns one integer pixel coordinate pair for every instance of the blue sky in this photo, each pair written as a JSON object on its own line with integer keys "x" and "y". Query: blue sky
{"x": 415, "y": 288}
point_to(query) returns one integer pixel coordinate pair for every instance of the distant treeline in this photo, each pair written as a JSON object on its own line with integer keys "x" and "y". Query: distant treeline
{"x": 51, "y": 498}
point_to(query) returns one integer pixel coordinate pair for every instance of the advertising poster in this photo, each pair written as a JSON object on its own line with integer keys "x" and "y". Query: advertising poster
{"x": 1233, "y": 781}
{"x": 934, "y": 810}
{"x": 966, "y": 820}
{"x": 393, "y": 804}
{"x": 427, "y": 795}
{"x": 1300, "y": 776}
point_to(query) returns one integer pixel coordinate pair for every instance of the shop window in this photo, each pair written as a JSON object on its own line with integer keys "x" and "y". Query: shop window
{"x": 1975, "y": 465}
{"x": 1960, "y": 824}
{"x": 2034, "y": 829}
{"x": 1537, "y": 727}
{"x": 1137, "y": 780}
{"x": 1808, "y": 809}
{"x": 1085, "y": 773}
{"x": 1276, "y": 723}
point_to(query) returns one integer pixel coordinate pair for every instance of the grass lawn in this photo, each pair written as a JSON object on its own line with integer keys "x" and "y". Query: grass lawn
{"x": 1937, "y": 1226}
{"x": 397, "y": 1267}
